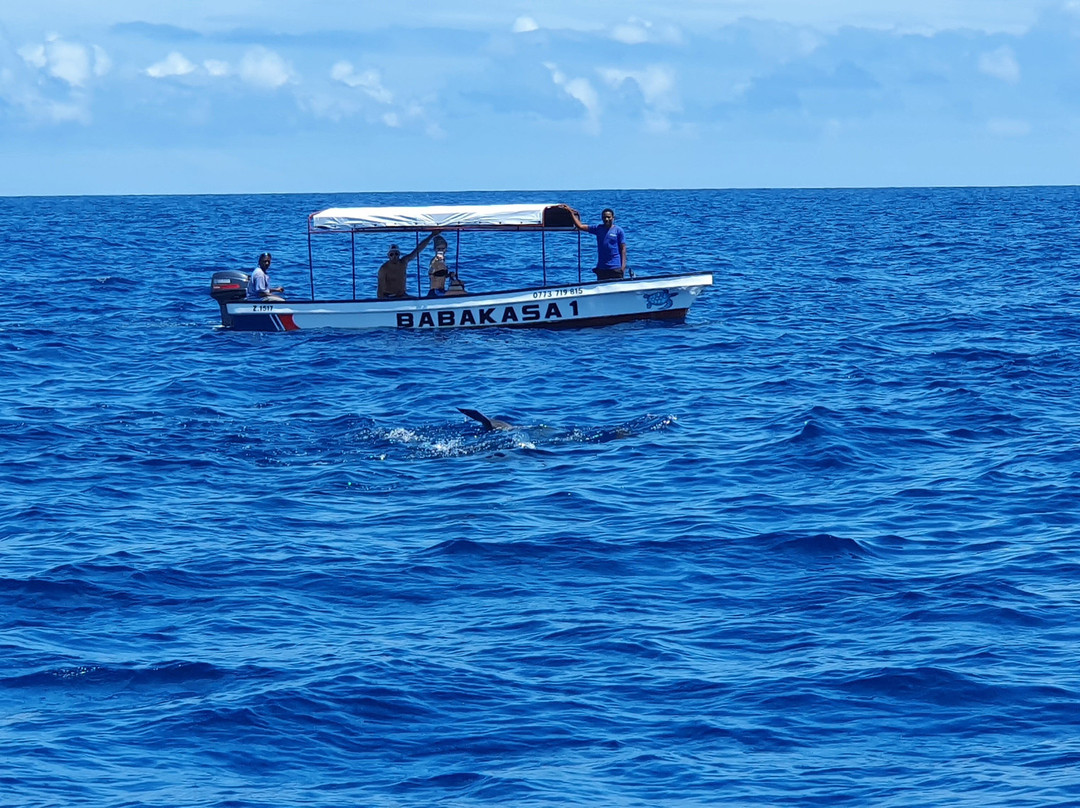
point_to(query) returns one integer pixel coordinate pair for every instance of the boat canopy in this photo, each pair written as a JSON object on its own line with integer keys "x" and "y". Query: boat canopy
{"x": 443, "y": 217}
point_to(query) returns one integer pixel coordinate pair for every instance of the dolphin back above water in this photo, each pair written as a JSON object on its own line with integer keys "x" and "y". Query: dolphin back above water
{"x": 489, "y": 423}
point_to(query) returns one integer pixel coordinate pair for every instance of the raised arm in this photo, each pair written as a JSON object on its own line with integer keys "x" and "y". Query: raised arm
{"x": 420, "y": 247}
{"x": 577, "y": 220}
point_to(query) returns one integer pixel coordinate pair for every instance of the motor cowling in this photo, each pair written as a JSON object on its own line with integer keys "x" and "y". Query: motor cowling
{"x": 227, "y": 286}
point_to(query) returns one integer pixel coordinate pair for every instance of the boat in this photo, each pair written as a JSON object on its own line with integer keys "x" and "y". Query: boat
{"x": 556, "y": 304}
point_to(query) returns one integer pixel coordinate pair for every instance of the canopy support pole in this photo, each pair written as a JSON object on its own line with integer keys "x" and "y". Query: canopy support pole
{"x": 579, "y": 256}
{"x": 352, "y": 234}
{"x": 543, "y": 253}
{"x": 310, "y": 265}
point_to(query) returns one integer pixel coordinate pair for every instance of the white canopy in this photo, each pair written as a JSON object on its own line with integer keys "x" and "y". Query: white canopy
{"x": 436, "y": 217}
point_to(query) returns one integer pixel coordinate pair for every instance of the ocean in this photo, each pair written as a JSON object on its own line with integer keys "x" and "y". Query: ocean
{"x": 818, "y": 545}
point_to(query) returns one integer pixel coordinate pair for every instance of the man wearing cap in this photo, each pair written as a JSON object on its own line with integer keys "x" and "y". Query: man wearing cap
{"x": 258, "y": 287}
{"x": 392, "y": 272}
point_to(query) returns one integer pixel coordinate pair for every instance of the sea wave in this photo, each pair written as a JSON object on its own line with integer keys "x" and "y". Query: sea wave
{"x": 818, "y": 544}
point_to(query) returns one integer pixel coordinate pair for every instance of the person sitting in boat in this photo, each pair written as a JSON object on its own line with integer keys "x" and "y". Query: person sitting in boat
{"x": 610, "y": 245}
{"x": 259, "y": 288}
{"x": 438, "y": 272}
{"x": 392, "y": 272}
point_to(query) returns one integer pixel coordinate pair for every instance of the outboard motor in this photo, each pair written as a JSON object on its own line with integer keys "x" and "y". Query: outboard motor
{"x": 227, "y": 286}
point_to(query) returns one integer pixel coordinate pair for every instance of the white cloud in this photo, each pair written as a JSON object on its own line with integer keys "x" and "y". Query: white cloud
{"x": 369, "y": 81}
{"x": 1001, "y": 64}
{"x": 523, "y": 25}
{"x": 48, "y": 103}
{"x": 34, "y": 55}
{"x": 264, "y": 68}
{"x": 581, "y": 90}
{"x": 172, "y": 65}
{"x": 65, "y": 112}
{"x": 333, "y": 104}
{"x": 40, "y": 109}
{"x": 102, "y": 62}
{"x": 67, "y": 61}
{"x": 637, "y": 32}
{"x": 392, "y": 113}
{"x": 630, "y": 33}
{"x": 657, "y": 86}
{"x": 216, "y": 67}
{"x": 656, "y": 82}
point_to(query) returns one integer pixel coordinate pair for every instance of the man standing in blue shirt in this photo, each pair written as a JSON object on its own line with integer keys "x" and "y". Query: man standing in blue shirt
{"x": 610, "y": 245}
{"x": 258, "y": 287}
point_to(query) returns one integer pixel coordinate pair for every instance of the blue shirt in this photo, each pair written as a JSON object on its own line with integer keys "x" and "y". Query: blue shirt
{"x": 258, "y": 285}
{"x": 608, "y": 241}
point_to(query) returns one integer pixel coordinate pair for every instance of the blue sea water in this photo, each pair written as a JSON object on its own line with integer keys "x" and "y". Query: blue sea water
{"x": 817, "y": 545}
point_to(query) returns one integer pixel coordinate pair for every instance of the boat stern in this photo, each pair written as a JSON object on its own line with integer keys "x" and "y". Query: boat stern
{"x": 228, "y": 286}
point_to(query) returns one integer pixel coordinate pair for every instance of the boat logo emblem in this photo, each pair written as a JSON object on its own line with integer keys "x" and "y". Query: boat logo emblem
{"x": 659, "y": 300}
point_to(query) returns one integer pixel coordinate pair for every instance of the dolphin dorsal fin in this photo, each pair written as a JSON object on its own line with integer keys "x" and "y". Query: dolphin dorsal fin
{"x": 489, "y": 423}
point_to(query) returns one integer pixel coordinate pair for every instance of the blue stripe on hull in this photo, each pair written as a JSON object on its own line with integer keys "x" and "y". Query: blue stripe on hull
{"x": 256, "y": 322}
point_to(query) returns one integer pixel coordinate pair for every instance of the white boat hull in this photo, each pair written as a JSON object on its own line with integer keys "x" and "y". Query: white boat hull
{"x": 588, "y": 304}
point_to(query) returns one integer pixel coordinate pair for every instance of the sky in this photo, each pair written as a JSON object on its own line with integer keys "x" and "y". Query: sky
{"x": 238, "y": 96}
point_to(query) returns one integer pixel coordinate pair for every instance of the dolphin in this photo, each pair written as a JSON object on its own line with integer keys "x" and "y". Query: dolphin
{"x": 490, "y": 424}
